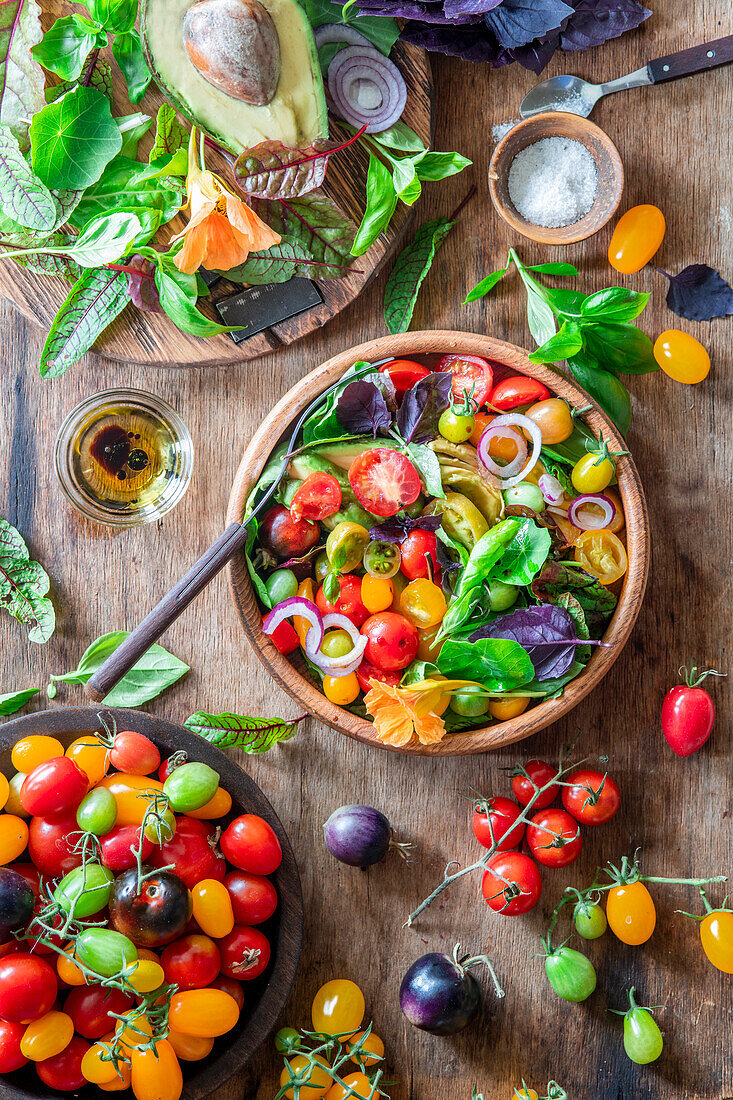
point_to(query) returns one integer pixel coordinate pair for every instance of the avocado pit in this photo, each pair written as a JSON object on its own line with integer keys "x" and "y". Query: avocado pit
{"x": 235, "y": 46}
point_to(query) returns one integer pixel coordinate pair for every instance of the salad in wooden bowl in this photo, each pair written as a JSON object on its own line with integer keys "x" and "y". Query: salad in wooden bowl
{"x": 455, "y": 546}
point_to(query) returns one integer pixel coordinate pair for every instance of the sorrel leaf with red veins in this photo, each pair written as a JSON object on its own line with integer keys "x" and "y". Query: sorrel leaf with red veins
{"x": 24, "y": 585}
{"x": 94, "y": 301}
{"x": 315, "y": 221}
{"x": 410, "y": 269}
{"x": 21, "y": 77}
{"x": 518, "y": 22}
{"x": 23, "y": 197}
{"x": 362, "y": 410}
{"x": 170, "y": 135}
{"x": 557, "y": 578}
{"x": 237, "y": 731}
{"x": 272, "y": 170}
{"x": 699, "y": 293}
{"x": 281, "y": 262}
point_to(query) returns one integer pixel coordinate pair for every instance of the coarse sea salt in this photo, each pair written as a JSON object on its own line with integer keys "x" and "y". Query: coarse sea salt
{"x": 553, "y": 182}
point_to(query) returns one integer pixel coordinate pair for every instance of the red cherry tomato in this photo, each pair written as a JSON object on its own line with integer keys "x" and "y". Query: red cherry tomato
{"x": 539, "y": 774}
{"x": 192, "y": 851}
{"x": 384, "y": 481}
{"x": 28, "y": 988}
{"x": 349, "y": 602}
{"x": 415, "y": 550}
{"x": 254, "y": 898}
{"x": 54, "y": 787}
{"x": 319, "y": 496}
{"x": 404, "y": 373}
{"x": 49, "y": 846}
{"x": 593, "y": 798}
{"x": 472, "y": 377}
{"x": 286, "y": 537}
{"x": 497, "y": 815}
{"x": 283, "y": 638}
{"x": 688, "y": 714}
{"x": 117, "y": 847}
{"x": 518, "y": 390}
{"x": 191, "y": 962}
{"x": 231, "y": 986}
{"x": 511, "y": 884}
{"x": 252, "y": 845}
{"x": 90, "y": 1006}
{"x": 554, "y": 838}
{"x": 10, "y": 1054}
{"x": 366, "y": 672}
{"x": 392, "y": 641}
{"x": 134, "y": 753}
{"x": 245, "y": 953}
{"x": 63, "y": 1071}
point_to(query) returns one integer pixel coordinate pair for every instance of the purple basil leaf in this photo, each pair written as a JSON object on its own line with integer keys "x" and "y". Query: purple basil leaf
{"x": 362, "y": 409}
{"x": 143, "y": 291}
{"x": 595, "y": 21}
{"x": 536, "y": 55}
{"x": 547, "y": 632}
{"x": 456, "y": 8}
{"x": 517, "y": 22}
{"x": 395, "y": 530}
{"x": 417, "y": 419}
{"x": 699, "y": 293}
{"x": 471, "y": 43}
{"x": 445, "y": 561}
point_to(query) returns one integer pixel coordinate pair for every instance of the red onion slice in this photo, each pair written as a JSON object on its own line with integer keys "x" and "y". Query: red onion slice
{"x": 512, "y": 420}
{"x": 551, "y": 489}
{"x": 484, "y": 450}
{"x": 366, "y": 87}
{"x": 580, "y": 517}
{"x": 296, "y": 605}
{"x": 337, "y": 666}
{"x": 339, "y": 32}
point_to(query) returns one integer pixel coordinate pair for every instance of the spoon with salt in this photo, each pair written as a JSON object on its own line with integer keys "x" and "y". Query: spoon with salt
{"x": 579, "y": 97}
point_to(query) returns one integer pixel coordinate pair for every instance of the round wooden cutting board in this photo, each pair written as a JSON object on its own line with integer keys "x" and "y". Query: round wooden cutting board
{"x": 152, "y": 338}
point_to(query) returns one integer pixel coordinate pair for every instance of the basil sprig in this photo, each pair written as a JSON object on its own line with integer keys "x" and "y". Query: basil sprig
{"x": 156, "y": 670}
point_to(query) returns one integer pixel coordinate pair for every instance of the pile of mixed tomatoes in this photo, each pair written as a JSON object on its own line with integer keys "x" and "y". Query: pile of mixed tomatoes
{"x": 127, "y": 916}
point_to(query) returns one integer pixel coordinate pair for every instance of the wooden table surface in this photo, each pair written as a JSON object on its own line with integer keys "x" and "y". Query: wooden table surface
{"x": 675, "y": 141}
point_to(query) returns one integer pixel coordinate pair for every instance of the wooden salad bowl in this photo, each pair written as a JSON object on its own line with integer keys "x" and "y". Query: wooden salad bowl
{"x": 278, "y": 425}
{"x": 269, "y": 993}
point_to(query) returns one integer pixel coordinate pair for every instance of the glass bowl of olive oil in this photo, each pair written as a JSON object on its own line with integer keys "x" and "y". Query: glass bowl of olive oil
{"x": 123, "y": 457}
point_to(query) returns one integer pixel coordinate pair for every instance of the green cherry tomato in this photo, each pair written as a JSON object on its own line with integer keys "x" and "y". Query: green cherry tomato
{"x": 345, "y": 546}
{"x": 590, "y": 920}
{"x": 502, "y": 596}
{"x": 456, "y": 427}
{"x": 287, "y": 1040}
{"x": 97, "y": 812}
{"x": 162, "y": 828}
{"x": 191, "y": 786}
{"x": 642, "y": 1038}
{"x": 470, "y": 702}
{"x": 382, "y": 559}
{"x": 322, "y": 567}
{"x": 336, "y": 643}
{"x": 85, "y": 890}
{"x": 415, "y": 509}
{"x": 592, "y": 473}
{"x": 571, "y": 975}
{"x": 105, "y": 951}
{"x": 526, "y": 495}
{"x": 282, "y": 585}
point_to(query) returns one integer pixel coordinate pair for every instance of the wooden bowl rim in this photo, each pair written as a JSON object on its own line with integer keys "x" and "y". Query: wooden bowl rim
{"x": 286, "y": 954}
{"x": 404, "y": 345}
{"x": 551, "y": 124}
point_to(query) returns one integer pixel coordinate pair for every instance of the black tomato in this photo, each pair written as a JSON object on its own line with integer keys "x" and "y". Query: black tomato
{"x": 16, "y": 902}
{"x": 157, "y": 914}
{"x": 287, "y": 537}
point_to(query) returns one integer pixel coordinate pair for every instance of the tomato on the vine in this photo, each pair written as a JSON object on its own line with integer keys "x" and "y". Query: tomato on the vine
{"x": 134, "y": 753}
{"x": 251, "y": 844}
{"x": 511, "y": 884}
{"x": 117, "y": 848}
{"x": 338, "y": 1007}
{"x": 245, "y": 953}
{"x": 688, "y": 714}
{"x": 495, "y": 817}
{"x": 554, "y": 838}
{"x": 416, "y": 549}
{"x": 538, "y": 774}
{"x": 49, "y": 845}
{"x": 392, "y": 641}
{"x": 92, "y": 1008}
{"x": 593, "y": 798}
{"x": 384, "y": 481}
{"x": 348, "y": 603}
{"x": 404, "y": 374}
{"x": 631, "y": 913}
{"x": 716, "y": 935}
{"x": 472, "y": 377}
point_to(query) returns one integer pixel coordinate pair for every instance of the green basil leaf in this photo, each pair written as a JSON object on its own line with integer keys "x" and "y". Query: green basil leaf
{"x": 523, "y": 556}
{"x": 381, "y": 204}
{"x": 23, "y": 197}
{"x": 332, "y": 581}
{"x": 616, "y": 305}
{"x": 483, "y": 557}
{"x": 405, "y": 181}
{"x": 94, "y": 301}
{"x": 623, "y": 349}
{"x": 553, "y": 269}
{"x": 133, "y": 128}
{"x": 114, "y": 15}
{"x": 74, "y": 139}
{"x": 566, "y": 302}
{"x": 427, "y": 465}
{"x": 16, "y": 700}
{"x": 606, "y": 389}
{"x": 156, "y": 670}
{"x": 236, "y": 731}
{"x": 409, "y": 270}
{"x": 568, "y": 341}
{"x": 326, "y": 54}
{"x": 105, "y": 239}
{"x": 22, "y": 80}
{"x": 401, "y": 138}
{"x": 67, "y": 44}
{"x": 128, "y": 53}
{"x": 181, "y": 310}
{"x": 498, "y": 664}
{"x": 24, "y": 585}
{"x": 438, "y": 166}
{"x": 486, "y": 285}
{"x": 540, "y": 317}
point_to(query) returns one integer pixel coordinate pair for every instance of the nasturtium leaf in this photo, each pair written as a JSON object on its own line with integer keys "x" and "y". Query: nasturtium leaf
{"x": 94, "y": 301}
{"x": 517, "y": 22}
{"x": 23, "y": 197}
{"x": 498, "y": 664}
{"x": 410, "y": 269}
{"x": 699, "y": 293}
{"x": 67, "y": 44}
{"x": 74, "y": 139}
{"x": 24, "y": 585}
{"x": 362, "y": 409}
{"x": 22, "y": 79}
{"x": 237, "y": 731}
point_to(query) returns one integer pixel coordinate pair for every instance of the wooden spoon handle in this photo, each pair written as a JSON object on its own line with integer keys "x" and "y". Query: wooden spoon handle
{"x": 695, "y": 60}
{"x": 165, "y": 613}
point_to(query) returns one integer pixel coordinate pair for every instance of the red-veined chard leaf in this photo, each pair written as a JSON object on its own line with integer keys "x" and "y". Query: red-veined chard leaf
{"x": 410, "y": 269}
{"x": 24, "y": 585}
{"x": 315, "y": 221}
{"x": 281, "y": 262}
{"x": 21, "y": 77}
{"x": 94, "y": 301}
{"x": 272, "y": 170}
{"x": 699, "y": 293}
{"x": 23, "y": 197}
{"x": 170, "y": 135}
{"x": 237, "y": 731}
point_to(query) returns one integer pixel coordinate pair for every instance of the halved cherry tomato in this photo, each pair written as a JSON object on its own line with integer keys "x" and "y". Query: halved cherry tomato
{"x": 538, "y": 775}
{"x": 554, "y": 838}
{"x": 319, "y": 496}
{"x": 367, "y": 672}
{"x": 416, "y": 549}
{"x": 511, "y": 884}
{"x": 349, "y": 602}
{"x": 602, "y": 554}
{"x": 384, "y": 481}
{"x": 472, "y": 377}
{"x": 494, "y": 818}
{"x": 631, "y": 913}
{"x": 593, "y": 798}
{"x": 518, "y": 390}
{"x": 404, "y": 373}
{"x": 392, "y": 641}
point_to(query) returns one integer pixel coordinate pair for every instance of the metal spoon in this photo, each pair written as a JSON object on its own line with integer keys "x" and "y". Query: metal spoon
{"x": 579, "y": 97}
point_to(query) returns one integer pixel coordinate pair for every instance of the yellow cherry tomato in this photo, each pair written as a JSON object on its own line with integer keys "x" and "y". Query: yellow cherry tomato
{"x": 503, "y": 709}
{"x": 129, "y": 792}
{"x": 312, "y": 1085}
{"x": 212, "y": 908}
{"x": 423, "y": 603}
{"x": 602, "y": 554}
{"x": 32, "y": 751}
{"x": 13, "y": 837}
{"x": 359, "y": 1082}
{"x": 428, "y": 649}
{"x": 592, "y": 473}
{"x": 122, "y": 1079}
{"x": 377, "y": 593}
{"x": 218, "y": 806}
{"x": 190, "y": 1048}
{"x": 4, "y": 790}
{"x": 146, "y": 976}
{"x": 631, "y": 913}
{"x": 716, "y": 934}
{"x": 67, "y": 969}
{"x": 97, "y": 1069}
{"x": 681, "y": 356}
{"x": 338, "y": 1008}
{"x": 636, "y": 238}
{"x": 306, "y": 590}
{"x": 525, "y": 1093}
{"x": 341, "y": 690}
{"x": 92, "y": 756}
{"x": 205, "y": 1013}
{"x": 12, "y": 802}
{"x": 371, "y": 1052}
{"x": 553, "y": 418}
{"x": 47, "y": 1037}
{"x": 156, "y": 1074}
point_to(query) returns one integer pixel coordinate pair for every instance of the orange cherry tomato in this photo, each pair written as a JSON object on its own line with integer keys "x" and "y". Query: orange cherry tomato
{"x": 205, "y": 1013}
{"x": 503, "y": 709}
{"x": 553, "y": 418}
{"x": 631, "y": 913}
{"x": 129, "y": 792}
{"x": 67, "y": 969}
{"x": 716, "y": 935}
{"x": 96, "y": 1068}
{"x": 122, "y": 1080}
{"x": 681, "y": 356}
{"x": 636, "y": 238}
{"x": 371, "y": 1052}
{"x": 306, "y": 590}
{"x": 191, "y": 1048}
{"x": 13, "y": 837}
{"x": 92, "y": 756}
{"x": 46, "y": 1037}
{"x": 4, "y": 790}
{"x": 359, "y": 1082}
{"x": 312, "y": 1085}
{"x": 218, "y": 806}
{"x": 34, "y": 750}
{"x": 212, "y": 908}
{"x": 156, "y": 1074}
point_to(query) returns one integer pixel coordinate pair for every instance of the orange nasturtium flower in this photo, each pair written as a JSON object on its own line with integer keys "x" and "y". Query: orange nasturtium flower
{"x": 401, "y": 713}
{"x": 222, "y": 229}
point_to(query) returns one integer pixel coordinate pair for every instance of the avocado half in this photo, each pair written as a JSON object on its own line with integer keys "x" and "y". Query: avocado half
{"x": 297, "y": 114}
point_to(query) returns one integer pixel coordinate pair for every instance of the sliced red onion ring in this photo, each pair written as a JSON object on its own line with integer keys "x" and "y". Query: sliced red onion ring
{"x": 580, "y": 517}
{"x": 366, "y": 88}
{"x": 512, "y": 420}
{"x": 339, "y": 32}
{"x": 296, "y": 605}
{"x": 551, "y": 489}
{"x": 484, "y": 448}
{"x": 337, "y": 666}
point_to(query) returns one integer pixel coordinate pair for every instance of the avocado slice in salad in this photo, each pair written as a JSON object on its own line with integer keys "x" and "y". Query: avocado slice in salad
{"x": 343, "y": 454}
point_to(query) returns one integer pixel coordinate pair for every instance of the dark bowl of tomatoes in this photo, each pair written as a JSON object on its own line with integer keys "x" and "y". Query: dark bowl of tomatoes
{"x": 264, "y": 997}
{"x": 506, "y": 380}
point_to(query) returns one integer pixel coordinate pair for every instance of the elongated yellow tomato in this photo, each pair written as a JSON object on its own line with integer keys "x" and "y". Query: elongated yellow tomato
{"x": 32, "y": 751}
{"x": 67, "y": 969}
{"x": 92, "y": 756}
{"x": 631, "y": 913}
{"x": 338, "y": 1008}
{"x": 212, "y": 908}
{"x": 147, "y": 976}
{"x": 218, "y": 806}
{"x": 4, "y": 790}
{"x": 156, "y": 1074}
{"x": 122, "y": 1079}
{"x": 129, "y": 792}
{"x": 312, "y": 1085}
{"x": 205, "y": 1013}
{"x": 592, "y": 473}
{"x": 636, "y": 238}
{"x": 47, "y": 1037}
{"x": 716, "y": 934}
{"x": 602, "y": 554}
{"x": 12, "y": 802}
{"x": 681, "y": 356}
{"x": 13, "y": 837}
{"x": 96, "y": 1069}
{"x": 503, "y": 709}
{"x": 191, "y": 1048}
